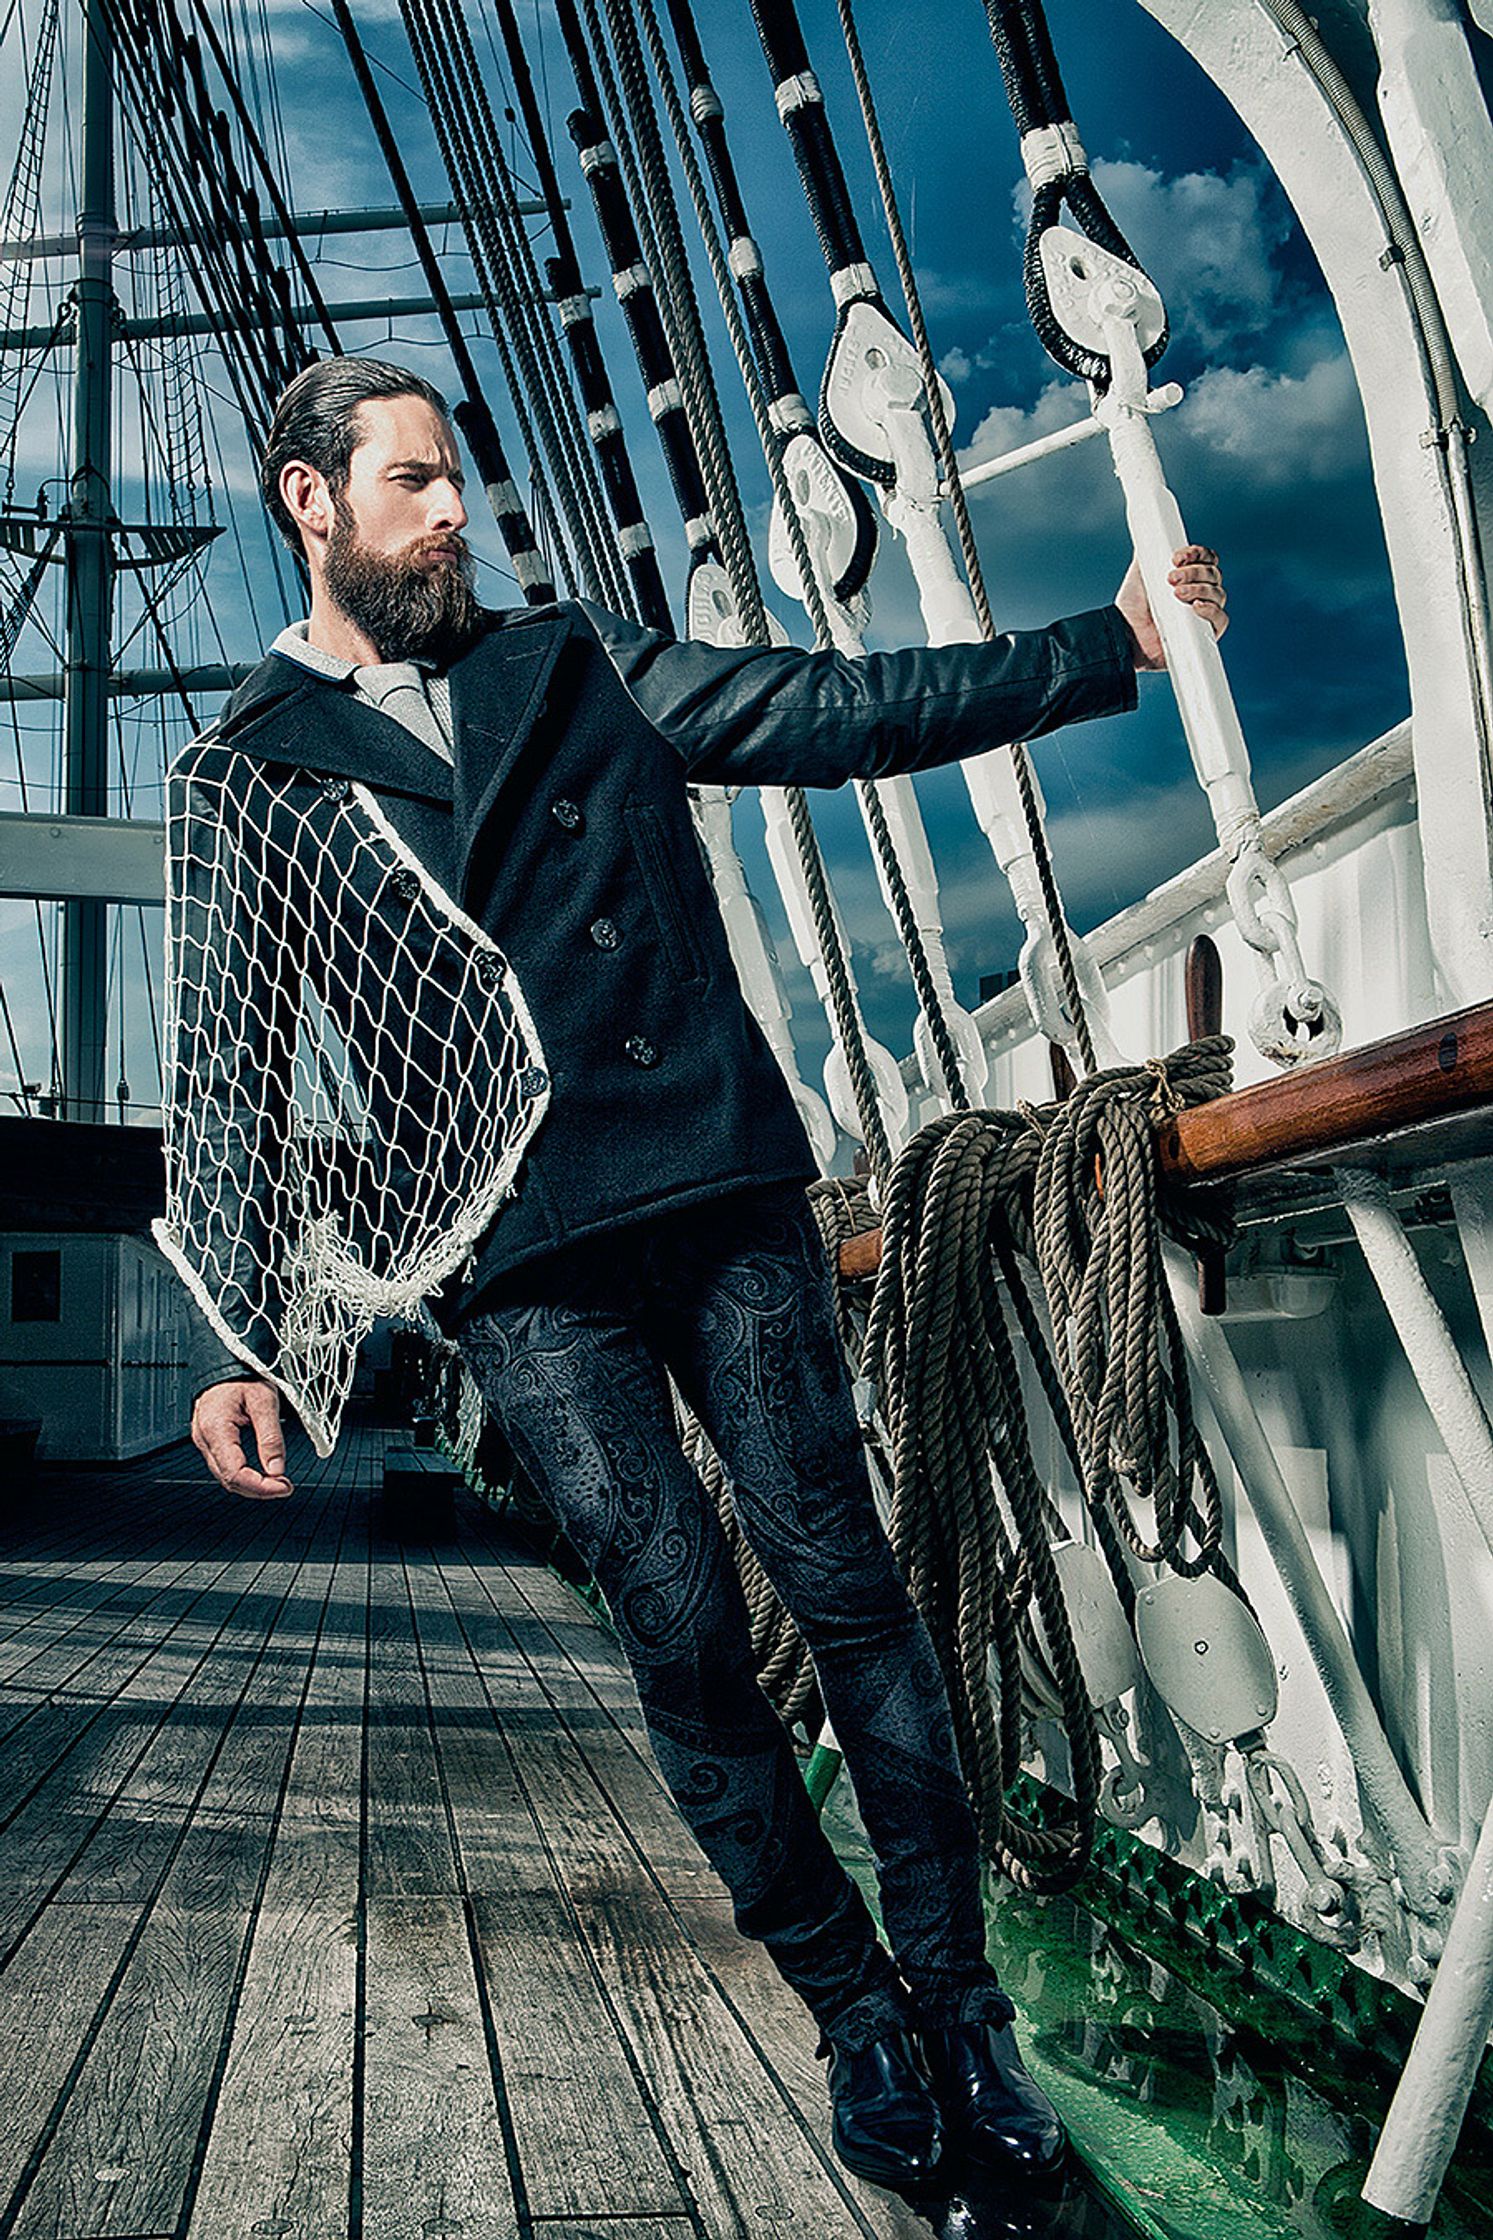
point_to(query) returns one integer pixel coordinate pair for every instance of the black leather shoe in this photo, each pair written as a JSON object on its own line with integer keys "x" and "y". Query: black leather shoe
{"x": 993, "y": 2110}
{"x": 887, "y": 2125}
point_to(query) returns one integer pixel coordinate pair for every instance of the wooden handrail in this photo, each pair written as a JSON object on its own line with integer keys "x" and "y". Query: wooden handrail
{"x": 1427, "y": 1073}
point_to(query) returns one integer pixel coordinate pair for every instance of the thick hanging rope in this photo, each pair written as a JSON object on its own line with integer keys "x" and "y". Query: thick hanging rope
{"x": 1098, "y": 1216}
{"x": 972, "y": 1197}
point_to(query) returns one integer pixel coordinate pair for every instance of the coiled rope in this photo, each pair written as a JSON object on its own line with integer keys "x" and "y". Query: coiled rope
{"x": 1098, "y": 1216}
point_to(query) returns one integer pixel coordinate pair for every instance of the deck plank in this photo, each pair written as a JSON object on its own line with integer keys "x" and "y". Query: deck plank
{"x": 98, "y": 1790}
{"x": 350, "y": 1902}
{"x": 582, "y": 2126}
{"x": 434, "y": 2158}
{"x": 746, "y": 2154}
{"x": 409, "y": 1836}
{"x": 280, "y": 2153}
{"x": 50, "y": 1994}
{"x": 121, "y": 2158}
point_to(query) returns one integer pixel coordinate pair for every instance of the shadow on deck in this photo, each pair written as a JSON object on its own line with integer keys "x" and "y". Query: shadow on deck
{"x": 339, "y": 1897}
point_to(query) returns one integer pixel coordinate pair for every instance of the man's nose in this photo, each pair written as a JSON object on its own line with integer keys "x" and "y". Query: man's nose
{"x": 447, "y": 510}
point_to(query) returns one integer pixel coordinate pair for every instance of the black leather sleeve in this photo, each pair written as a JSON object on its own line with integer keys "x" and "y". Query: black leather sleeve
{"x": 783, "y": 717}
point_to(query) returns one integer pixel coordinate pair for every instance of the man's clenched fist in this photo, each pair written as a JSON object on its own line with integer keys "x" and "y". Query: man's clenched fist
{"x": 222, "y": 1415}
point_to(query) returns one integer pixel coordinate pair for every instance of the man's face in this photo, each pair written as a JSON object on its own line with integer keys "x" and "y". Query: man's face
{"x": 395, "y": 560}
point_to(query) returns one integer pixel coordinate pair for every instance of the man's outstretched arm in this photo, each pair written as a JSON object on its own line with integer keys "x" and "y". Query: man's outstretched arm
{"x": 781, "y": 716}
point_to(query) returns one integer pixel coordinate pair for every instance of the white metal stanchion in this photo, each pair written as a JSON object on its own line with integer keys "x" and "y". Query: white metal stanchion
{"x": 1106, "y": 305}
{"x": 1425, "y": 2116}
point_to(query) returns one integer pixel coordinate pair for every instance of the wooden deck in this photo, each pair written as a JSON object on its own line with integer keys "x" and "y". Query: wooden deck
{"x": 339, "y": 1896}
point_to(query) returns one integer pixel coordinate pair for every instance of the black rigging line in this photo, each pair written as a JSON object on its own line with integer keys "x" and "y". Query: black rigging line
{"x": 472, "y": 415}
{"x": 482, "y": 247}
{"x": 246, "y": 295}
{"x": 459, "y": 109}
{"x": 1059, "y": 172}
{"x": 267, "y": 172}
{"x": 563, "y": 270}
{"x": 559, "y": 417}
{"x": 790, "y": 415}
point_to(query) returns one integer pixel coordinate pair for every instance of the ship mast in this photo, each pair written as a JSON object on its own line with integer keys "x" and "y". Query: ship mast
{"x": 90, "y": 577}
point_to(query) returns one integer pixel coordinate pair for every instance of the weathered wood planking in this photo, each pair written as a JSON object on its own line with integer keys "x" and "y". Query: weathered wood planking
{"x": 582, "y": 2122}
{"x": 409, "y": 1837}
{"x": 122, "y": 2156}
{"x": 279, "y": 2155}
{"x": 401, "y": 1935}
{"x": 746, "y": 2154}
{"x": 51, "y": 1992}
{"x": 94, "y": 1597}
{"x": 97, "y": 1750}
{"x": 744, "y": 1979}
{"x": 620, "y": 2228}
{"x": 435, "y": 2160}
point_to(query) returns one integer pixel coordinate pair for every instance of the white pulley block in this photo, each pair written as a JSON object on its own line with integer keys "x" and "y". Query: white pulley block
{"x": 1107, "y": 1654}
{"x": 1206, "y": 1656}
{"x": 1073, "y": 266}
{"x": 872, "y": 368}
{"x": 711, "y": 615}
{"x": 829, "y": 520}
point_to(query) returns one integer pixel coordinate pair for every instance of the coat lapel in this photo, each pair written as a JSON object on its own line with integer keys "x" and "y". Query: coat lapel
{"x": 336, "y": 735}
{"x": 497, "y": 694}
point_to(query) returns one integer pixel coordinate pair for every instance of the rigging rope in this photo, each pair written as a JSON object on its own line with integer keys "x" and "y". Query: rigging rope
{"x": 826, "y": 930}
{"x": 472, "y": 415}
{"x": 1059, "y": 173}
{"x": 1057, "y": 925}
{"x": 544, "y": 367}
{"x": 491, "y": 273}
{"x": 653, "y": 198}
{"x": 634, "y": 537}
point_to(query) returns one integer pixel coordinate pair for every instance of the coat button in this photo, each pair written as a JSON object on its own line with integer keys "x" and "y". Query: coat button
{"x": 604, "y": 933}
{"x": 640, "y": 1050}
{"x": 567, "y": 815}
{"x": 488, "y": 968}
{"x": 533, "y": 1081}
{"x": 406, "y": 885}
{"x": 335, "y": 789}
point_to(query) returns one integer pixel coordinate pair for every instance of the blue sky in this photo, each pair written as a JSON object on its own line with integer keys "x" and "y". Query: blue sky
{"x": 1267, "y": 451}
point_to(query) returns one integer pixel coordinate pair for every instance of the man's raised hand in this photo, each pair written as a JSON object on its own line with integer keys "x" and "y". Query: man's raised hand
{"x": 1195, "y": 580}
{"x": 219, "y": 1420}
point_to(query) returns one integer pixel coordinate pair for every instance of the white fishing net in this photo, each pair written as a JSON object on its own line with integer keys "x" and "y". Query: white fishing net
{"x": 352, "y": 1072}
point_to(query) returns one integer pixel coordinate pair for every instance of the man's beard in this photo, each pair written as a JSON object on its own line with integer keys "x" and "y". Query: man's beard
{"x": 408, "y": 605}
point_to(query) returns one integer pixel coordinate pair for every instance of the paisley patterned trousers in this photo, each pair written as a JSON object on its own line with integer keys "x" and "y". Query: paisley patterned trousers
{"x": 734, "y": 1298}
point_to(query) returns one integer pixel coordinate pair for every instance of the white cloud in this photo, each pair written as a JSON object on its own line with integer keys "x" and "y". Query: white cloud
{"x": 1288, "y": 429}
{"x": 1207, "y": 239}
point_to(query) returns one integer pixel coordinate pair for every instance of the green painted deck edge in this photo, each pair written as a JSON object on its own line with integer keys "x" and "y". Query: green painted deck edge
{"x": 1192, "y": 1926}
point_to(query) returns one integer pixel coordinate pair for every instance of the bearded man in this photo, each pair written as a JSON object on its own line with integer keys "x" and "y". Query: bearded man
{"x": 529, "y": 768}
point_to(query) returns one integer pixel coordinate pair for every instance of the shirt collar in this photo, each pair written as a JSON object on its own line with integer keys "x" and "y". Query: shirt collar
{"x": 294, "y": 643}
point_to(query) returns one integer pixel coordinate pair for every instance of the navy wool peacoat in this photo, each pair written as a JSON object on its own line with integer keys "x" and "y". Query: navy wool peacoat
{"x": 564, "y": 830}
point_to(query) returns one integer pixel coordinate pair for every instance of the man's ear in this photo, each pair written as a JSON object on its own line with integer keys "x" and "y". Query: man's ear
{"x": 306, "y": 497}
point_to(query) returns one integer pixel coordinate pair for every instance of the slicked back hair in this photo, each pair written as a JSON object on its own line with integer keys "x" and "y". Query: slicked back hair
{"x": 316, "y": 420}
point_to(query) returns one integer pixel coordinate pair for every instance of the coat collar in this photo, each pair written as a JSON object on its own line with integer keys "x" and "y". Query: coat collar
{"x": 290, "y": 714}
